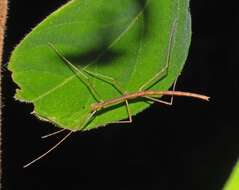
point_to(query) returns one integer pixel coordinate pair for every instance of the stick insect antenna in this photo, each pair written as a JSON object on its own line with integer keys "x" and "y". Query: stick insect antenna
{"x": 50, "y": 150}
{"x": 52, "y": 134}
{"x": 89, "y": 117}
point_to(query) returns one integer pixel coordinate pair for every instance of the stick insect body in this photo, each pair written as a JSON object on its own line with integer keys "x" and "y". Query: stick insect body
{"x": 148, "y": 93}
{"x": 143, "y": 91}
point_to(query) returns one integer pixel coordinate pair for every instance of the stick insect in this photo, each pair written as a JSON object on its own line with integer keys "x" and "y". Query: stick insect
{"x": 143, "y": 92}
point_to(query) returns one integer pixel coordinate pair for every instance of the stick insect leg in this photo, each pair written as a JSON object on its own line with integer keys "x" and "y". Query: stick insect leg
{"x": 87, "y": 120}
{"x": 78, "y": 72}
{"x": 156, "y": 78}
{"x": 117, "y": 86}
{"x": 62, "y": 130}
{"x": 106, "y": 79}
{"x": 129, "y": 115}
{"x": 163, "y": 101}
{"x": 164, "y": 71}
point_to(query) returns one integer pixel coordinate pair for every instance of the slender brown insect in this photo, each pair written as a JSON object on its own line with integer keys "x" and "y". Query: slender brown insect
{"x": 143, "y": 91}
{"x": 148, "y": 93}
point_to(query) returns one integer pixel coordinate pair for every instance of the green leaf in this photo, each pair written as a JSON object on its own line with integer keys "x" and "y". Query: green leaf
{"x": 233, "y": 181}
{"x": 127, "y": 40}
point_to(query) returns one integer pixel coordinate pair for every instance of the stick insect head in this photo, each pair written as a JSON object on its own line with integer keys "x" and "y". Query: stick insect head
{"x": 96, "y": 107}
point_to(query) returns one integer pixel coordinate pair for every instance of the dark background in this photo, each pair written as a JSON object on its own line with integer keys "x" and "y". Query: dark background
{"x": 192, "y": 145}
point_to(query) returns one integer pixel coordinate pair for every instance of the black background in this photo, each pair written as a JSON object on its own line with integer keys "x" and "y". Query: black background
{"x": 192, "y": 145}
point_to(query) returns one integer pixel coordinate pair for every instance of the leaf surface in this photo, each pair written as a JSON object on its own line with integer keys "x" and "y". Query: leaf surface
{"x": 127, "y": 40}
{"x": 233, "y": 181}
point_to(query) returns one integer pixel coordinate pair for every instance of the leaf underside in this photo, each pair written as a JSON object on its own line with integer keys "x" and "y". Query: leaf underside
{"x": 127, "y": 40}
